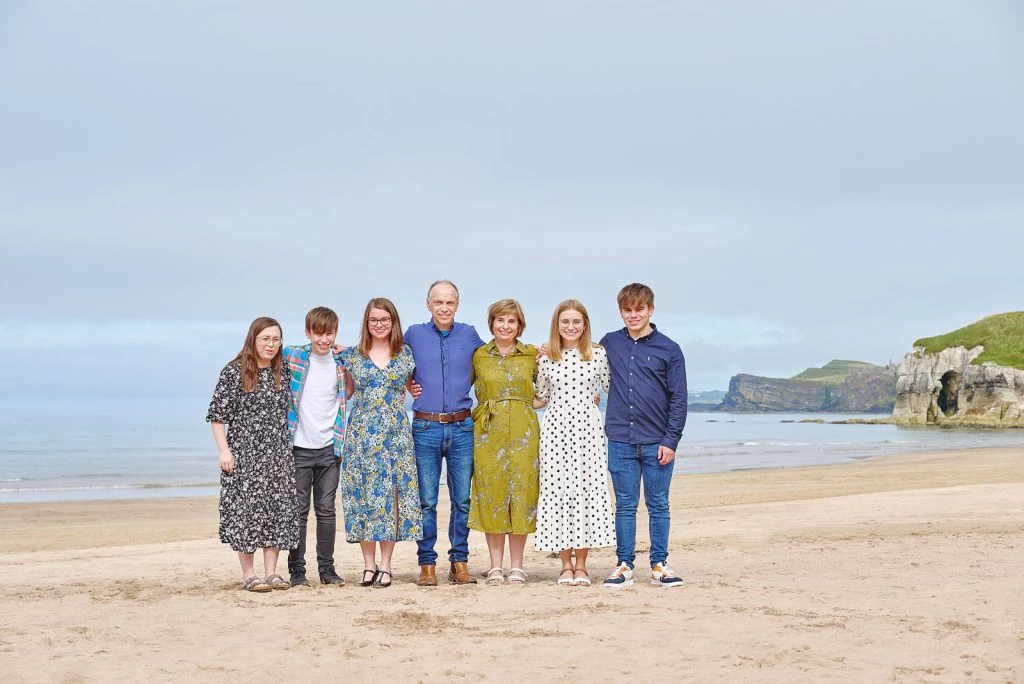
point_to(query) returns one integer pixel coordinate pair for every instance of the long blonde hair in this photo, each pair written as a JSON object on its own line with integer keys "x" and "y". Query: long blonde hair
{"x": 584, "y": 346}
{"x": 247, "y": 357}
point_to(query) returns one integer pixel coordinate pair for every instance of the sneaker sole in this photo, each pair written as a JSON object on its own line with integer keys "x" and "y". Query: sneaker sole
{"x": 666, "y": 585}
{"x": 617, "y": 585}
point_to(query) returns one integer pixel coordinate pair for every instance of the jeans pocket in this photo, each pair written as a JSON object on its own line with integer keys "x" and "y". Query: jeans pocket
{"x": 466, "y": 425}
{"x": 420, "y": 425}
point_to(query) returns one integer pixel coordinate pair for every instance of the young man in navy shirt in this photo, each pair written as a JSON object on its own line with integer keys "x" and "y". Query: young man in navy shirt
{"x": 644, "y": 423}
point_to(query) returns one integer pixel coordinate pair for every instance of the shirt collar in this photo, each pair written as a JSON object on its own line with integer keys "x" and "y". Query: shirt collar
{"x": 645, "y": 338}
{"x": 492, "y": 348}
{"x": 442, "y": 333}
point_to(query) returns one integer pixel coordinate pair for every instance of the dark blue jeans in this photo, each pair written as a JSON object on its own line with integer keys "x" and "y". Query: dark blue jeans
{"x": 316, "y": 477}
{"x": 628, "y": 465}
{"x": 452, "y": 442}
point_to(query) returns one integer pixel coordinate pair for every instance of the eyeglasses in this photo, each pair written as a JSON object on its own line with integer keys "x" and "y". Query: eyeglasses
{"x": 273, "y": 341}
{"x": 378, "y": 322}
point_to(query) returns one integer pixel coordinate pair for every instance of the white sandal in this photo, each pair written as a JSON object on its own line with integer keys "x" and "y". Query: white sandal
{"x": 517, "y": 576}
{"x": 566, "y": 581}
{"x": 494, "y": 577}
{"x": 581, "y": 581}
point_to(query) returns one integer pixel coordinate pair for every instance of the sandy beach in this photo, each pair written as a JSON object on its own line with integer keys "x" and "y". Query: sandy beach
{"x": 904, "y": 569}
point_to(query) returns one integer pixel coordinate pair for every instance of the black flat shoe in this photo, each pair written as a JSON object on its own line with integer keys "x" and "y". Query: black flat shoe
{"x": 373, "y": 575}
{"x": 380, "y": 578}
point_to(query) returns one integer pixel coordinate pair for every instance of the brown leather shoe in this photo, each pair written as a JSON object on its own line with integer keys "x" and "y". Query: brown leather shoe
{"x": 428, "y": 576}
{"x": 459, "y": 574}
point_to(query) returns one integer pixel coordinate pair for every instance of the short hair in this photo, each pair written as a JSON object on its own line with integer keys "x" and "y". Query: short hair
{"x": 506, "y": 307}
{"x": 442, "y": 282}
{"x": 366, "y": 341}
{"x": 634, "y": 295}
{"x": 585, "y": 346}
{"x": 321, "y": 320}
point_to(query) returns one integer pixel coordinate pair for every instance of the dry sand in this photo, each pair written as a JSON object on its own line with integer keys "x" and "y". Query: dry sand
{"x": 907, "y": 568}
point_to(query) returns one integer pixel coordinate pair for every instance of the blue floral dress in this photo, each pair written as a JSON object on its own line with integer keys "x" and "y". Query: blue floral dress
{"x": 380, "y": 495}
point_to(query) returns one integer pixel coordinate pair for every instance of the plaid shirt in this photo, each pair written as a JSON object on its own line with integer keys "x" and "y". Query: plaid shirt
{"x": 296, "y": 361}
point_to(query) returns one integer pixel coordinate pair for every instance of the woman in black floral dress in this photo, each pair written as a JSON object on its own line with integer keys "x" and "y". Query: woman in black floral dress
{"x": 257, "y": 482}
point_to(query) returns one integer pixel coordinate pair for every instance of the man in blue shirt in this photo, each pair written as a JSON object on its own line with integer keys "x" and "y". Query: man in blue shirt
{"x": 442, "y": 427}
{"x": 644, "y": 423}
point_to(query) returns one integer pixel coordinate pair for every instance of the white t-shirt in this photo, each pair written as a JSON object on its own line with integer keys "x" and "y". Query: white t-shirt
{"x": 318, "y": 405}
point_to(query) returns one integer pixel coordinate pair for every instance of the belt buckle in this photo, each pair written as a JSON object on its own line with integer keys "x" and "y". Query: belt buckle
{"x": 441, "y": 418}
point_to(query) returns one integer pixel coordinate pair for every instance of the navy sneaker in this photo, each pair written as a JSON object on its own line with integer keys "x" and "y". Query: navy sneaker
{"x": 662, "y": 576}
{"x": 622, "y": 576}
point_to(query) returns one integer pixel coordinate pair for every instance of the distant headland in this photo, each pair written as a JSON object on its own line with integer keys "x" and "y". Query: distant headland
{"x": 971, "y": 377}
{"x": 837, "y": 387}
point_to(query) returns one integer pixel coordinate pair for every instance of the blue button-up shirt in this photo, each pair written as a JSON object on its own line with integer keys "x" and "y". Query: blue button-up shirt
{"x": 647, "y": 399}
{"x": 444, "y": 365}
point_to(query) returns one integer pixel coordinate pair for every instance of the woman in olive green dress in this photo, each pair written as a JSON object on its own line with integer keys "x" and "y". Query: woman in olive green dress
{"x": 506, "y": 474}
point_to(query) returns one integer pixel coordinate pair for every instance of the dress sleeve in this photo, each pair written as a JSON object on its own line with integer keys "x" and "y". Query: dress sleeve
{"x": 543, "y": 381}
{"x": 410, "y": 360}
{"x": 603, "y": 374}
{"x": 224, "y": 404}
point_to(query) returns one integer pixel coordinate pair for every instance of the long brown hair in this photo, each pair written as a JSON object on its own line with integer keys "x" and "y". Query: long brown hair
{"x": 366, "y": 341}
{"x": 247, "y": 357}
{"x": 584, "y": 346}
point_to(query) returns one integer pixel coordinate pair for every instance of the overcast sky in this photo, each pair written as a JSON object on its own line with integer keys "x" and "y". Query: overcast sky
{"x": 798, "y": 181}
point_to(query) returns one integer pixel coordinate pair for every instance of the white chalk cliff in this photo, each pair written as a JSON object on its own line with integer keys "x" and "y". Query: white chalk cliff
{"x": 945, "y": 388}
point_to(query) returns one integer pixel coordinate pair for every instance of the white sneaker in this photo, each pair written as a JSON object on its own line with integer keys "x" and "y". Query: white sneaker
{"x": 622, "y": 576}
{"x": 663, "y": 576}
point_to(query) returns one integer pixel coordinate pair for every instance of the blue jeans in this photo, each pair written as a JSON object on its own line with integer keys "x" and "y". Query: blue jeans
{"x": 628, "y": 464}
{"x": 453, "y": 442}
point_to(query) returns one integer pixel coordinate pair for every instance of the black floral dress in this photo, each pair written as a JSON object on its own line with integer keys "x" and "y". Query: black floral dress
{"x": 257, "y": 500}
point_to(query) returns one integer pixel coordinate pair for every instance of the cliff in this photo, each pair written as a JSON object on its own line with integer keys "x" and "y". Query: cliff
{"x": 948, "y": 389}
{"x": 973, "y": 376}
{"x": 839, "y": 386}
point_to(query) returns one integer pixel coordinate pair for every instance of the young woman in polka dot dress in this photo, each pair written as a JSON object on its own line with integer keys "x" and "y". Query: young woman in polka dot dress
{"x": 574, "y": 512}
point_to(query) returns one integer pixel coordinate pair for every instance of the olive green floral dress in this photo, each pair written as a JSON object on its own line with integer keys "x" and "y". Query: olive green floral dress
{"x": 506, "y": 471}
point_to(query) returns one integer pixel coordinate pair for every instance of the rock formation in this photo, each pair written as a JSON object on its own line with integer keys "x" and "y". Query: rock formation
{"x": 945, "y": 388}
{"x": 863, "y": 388}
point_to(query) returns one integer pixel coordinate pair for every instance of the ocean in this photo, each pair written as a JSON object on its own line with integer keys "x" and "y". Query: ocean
{"x": 64, "y": 450}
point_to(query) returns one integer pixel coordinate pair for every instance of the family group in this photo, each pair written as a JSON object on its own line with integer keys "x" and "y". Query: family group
{"x": 279, "y": 418}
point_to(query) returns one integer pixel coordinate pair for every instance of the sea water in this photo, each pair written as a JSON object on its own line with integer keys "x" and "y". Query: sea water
{"x": 64, "y": 450}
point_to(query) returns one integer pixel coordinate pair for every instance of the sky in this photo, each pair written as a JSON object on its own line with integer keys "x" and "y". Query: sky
{"x": 797, "y": 181}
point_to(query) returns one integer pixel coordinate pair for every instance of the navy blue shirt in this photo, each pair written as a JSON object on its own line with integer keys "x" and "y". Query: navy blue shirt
{"x": 647, "y": 398}
{"x": 444, "y": 365}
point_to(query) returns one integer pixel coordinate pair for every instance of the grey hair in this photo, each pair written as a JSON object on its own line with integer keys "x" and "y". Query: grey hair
{"x": 442, "y": 282}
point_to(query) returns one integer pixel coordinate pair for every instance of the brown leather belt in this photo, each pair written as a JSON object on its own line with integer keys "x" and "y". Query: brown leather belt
{"x": 443, "y": 417}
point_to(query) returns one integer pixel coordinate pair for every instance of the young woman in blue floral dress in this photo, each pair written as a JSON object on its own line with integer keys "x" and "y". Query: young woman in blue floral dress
{"x": 380, "y": 495}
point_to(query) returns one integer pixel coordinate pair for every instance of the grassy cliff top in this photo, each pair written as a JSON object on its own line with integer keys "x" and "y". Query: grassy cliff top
{"x": 835, "y": 371}
{"x": 1002, "y": 336}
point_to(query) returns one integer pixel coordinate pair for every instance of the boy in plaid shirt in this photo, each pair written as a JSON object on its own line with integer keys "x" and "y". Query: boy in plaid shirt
{"x": 316, "y": 422}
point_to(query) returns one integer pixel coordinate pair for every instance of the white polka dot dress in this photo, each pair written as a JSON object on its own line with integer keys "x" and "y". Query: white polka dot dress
{"x": 574, "y": 509}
